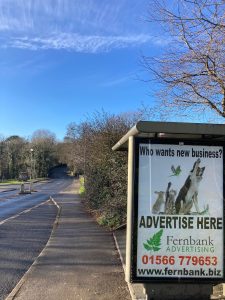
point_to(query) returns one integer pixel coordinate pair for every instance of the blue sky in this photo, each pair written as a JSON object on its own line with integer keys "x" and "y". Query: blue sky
{"x": 63, "y": 59}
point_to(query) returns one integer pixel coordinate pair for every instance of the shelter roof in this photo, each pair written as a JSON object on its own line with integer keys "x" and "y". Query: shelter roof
{"x": 172, "y": 130}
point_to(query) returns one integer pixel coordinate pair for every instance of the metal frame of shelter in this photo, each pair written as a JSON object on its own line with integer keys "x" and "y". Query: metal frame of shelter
{"x": 209, "y": 134}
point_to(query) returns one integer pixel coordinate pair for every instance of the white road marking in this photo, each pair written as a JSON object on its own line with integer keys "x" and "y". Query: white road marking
{"x": 23, "y": 212}
{"x": 56, "y": 204}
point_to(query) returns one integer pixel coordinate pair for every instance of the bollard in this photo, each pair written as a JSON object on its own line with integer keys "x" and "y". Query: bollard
{"x": 22, "y": 188}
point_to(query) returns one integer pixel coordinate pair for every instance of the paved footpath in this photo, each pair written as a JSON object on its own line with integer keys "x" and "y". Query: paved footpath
{"x": 79, "y": 261}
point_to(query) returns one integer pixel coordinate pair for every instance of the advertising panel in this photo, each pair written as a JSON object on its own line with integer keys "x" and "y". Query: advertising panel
{"x": 179, "y": 212}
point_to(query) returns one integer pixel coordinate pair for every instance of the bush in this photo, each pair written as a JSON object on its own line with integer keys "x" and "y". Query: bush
{"x": 81, "y": 189}
{"x": 105, "y": 171}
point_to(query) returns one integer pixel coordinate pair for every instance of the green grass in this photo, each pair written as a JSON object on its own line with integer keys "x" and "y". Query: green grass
{"x": 82, "y": 188}
{"x": 10, "y": 181}
{"x": 15, "y": 181}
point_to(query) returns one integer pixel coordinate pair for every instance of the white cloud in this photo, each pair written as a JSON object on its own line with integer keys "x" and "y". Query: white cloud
{"x": 76, "y": 42}
{"x": 83, "y": 25}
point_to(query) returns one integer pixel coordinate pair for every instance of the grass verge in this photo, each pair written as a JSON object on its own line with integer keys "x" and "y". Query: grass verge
{"x": 82, "y": 188}
{"x": 14, "y": 181}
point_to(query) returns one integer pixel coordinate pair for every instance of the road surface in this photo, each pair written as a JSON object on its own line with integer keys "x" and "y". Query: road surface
{"x": 25, "y": 226}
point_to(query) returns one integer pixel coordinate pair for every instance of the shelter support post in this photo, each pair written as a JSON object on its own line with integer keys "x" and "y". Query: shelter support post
{"x": 130, "y": 191}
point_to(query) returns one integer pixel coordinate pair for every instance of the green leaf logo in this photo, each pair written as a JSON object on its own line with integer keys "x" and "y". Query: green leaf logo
{"x": 154, "y": 242}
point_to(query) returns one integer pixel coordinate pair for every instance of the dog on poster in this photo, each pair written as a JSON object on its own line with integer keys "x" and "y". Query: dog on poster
{"x": 188, "y": 194}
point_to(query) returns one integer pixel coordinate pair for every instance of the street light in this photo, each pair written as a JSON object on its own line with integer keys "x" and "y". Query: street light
{"x": 31, "y": 167}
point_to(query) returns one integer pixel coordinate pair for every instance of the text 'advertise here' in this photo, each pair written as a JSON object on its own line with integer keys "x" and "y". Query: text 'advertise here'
{"x": 180, "y": 211}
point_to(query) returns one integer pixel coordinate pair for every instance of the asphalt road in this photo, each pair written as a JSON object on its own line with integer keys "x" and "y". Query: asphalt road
{"x": 79, "y": 262}
{"x": 25, "y": 226}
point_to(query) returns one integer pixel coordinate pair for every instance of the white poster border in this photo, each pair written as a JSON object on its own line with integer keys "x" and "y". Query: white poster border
{"x": 144, "y": 279}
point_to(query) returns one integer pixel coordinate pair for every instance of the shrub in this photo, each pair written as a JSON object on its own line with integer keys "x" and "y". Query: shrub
{"x": 81, "y": 189}
{"x": 105, "y": 171}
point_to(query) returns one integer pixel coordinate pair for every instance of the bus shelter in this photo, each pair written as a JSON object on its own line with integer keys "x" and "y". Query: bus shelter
{"x": 175, "y": 208}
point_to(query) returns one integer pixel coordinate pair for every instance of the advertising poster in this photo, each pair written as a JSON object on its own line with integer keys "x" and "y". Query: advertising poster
{"x": 180, "y": 212}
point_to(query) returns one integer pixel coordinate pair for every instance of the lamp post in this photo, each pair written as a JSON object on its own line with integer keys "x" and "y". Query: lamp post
{"x": 31, "y": 168}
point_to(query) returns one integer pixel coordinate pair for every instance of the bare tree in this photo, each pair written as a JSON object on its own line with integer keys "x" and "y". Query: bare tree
{"x": 43, "y": 144}
{"x": 73, "y": 148}
{"x": 87, "y": 149}
{"x": 18, "y": 155}
{"x": 192, "y": 69}
{"x": 13, "y": 156}
{"x": 3, "y": 158}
